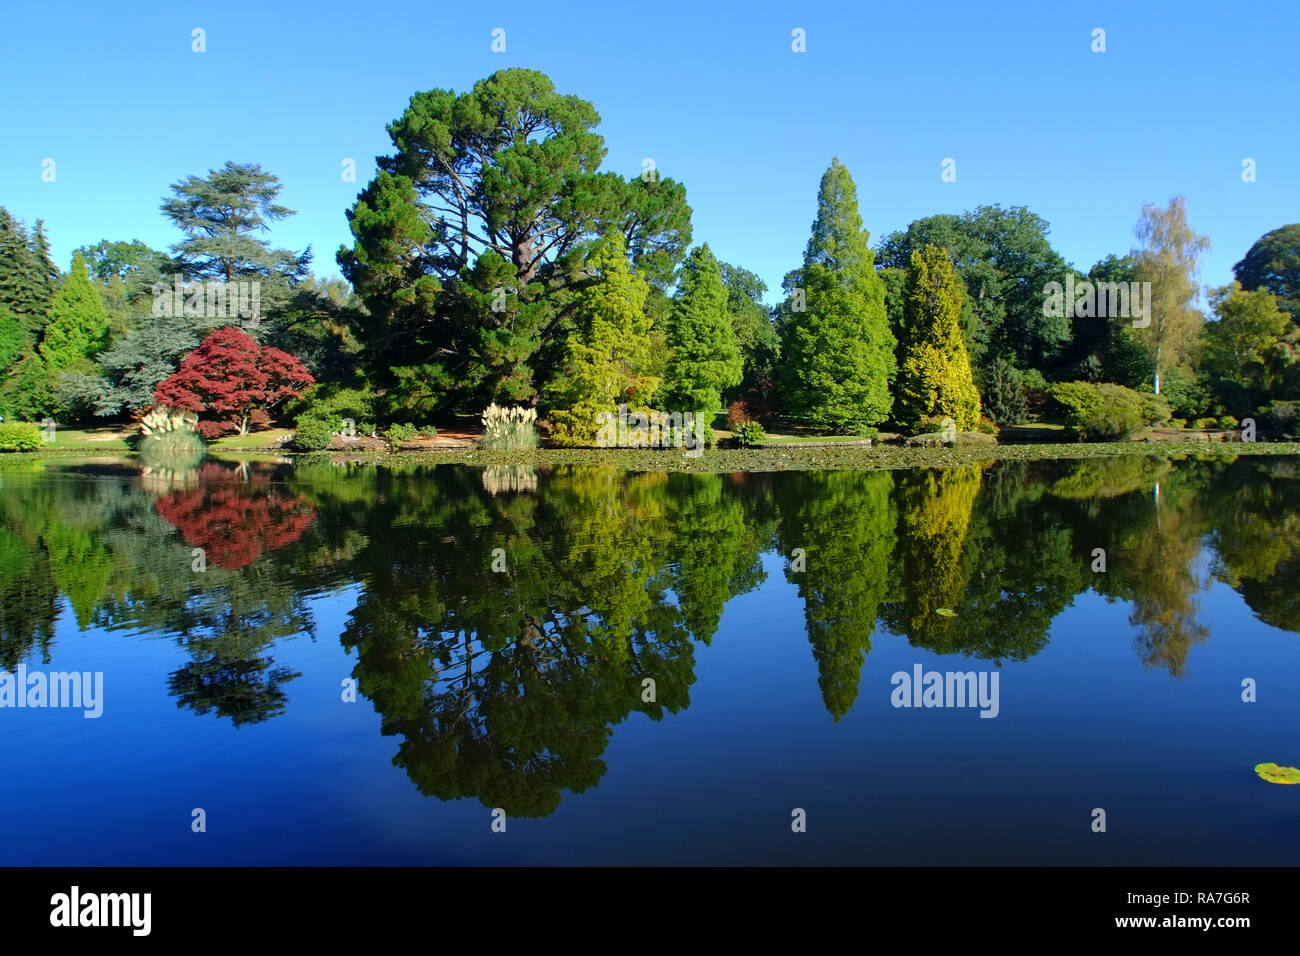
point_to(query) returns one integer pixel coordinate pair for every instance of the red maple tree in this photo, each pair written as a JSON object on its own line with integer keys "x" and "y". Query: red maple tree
{"x": 231, "y": 375}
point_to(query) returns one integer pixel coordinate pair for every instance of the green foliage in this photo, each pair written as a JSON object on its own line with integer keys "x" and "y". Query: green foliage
{"x": 1228, "y": 421}
{"x": 78, "y": 324}
{"x": 1108, "y": 412}
{"x": 401, "y": 432}
{"x": 703, "y": 354}
{"x": 1273, "y": 264}
{"x": 27, "y": 276}
{"x": 468, "y": 244}
{"x": 609, "y": 355}
{"x": 1004, "y": 259}
{"x": 934, "y": 371}
{"x": 13, "y": 339}
{"x": 749, "y": 433}
{"x": 223, "y": 216}
{"x": 1242, "y": 351}
{"x": 311, "y": 434}
{"x": 332, "y": 403}
{"x": 19, "y": 436}
{"x": 1206, "y": 423}
{"x": 837, "y": 352}
{"x": 760, "y": 346}
{"x": 1004, "y": 396}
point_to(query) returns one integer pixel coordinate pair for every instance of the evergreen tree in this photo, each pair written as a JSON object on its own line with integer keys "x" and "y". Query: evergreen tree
{"x": 222, "y": 216}
{"x": 27, "y": 276}
{"x": 703, "y": 355}
{"x": 610, "y": 356}
{"x": 837, "y": 350}
{"x": 934, "y": 375}
{"x": 77, "y": 323}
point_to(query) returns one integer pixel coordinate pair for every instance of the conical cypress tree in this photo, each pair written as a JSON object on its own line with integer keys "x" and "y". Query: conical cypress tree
{"x": 78, "y": 324}
{"x": 703, "y": 354}
{"x": 837, "y": 351}
{"x": 934, "y": 375}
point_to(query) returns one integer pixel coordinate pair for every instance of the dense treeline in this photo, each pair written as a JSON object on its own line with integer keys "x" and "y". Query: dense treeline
{"x": 493, "y": 260}
{"x": 505, "y": 686}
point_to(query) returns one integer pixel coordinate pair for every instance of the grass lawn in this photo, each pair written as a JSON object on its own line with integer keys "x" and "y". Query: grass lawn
{"x": 97, "y": 439}
{"x": 252, "y": 440}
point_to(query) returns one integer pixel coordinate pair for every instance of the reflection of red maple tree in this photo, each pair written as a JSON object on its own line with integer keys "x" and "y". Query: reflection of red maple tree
{"x": 232, "y": 520}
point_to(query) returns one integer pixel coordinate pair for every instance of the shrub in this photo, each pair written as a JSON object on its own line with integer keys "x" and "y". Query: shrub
{"x": 19, "y": 436}
{"x": 1107, "y": 412}
{"x": 1204, "y": 423}
{"x": 576, "y": 427}
{"x": 986, "y": 426}
{"x": 400, "y": 432}
{"x": 508, "y": 429}
{"x": 334, "y": 405}
{"x": 749, "y": 433}
{"x": 428, "y": 431}
{"x": 747, "y": 410}
{"x": 1228, "y": 421}
{"x": 311, "y": 434}
{"x": 1177, "y": 423}
{"x": 867, "y": 431}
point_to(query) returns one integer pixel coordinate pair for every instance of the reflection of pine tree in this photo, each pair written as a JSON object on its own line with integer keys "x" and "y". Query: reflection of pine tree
{"x": 506, "y": 686}
{"x": 845, "y": 521}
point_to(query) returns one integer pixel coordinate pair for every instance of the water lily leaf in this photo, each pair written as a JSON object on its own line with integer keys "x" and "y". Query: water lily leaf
{"x": 945, "y": 611}
{"x": 1275, "y": 774}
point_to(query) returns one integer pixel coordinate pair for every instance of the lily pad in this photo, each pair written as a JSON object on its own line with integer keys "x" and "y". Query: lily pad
{"x": 1275, "y": 774}
{"x": 945, "y": 612}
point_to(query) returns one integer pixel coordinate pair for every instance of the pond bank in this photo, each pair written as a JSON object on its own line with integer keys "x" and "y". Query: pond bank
{"x": 785, "y": 458}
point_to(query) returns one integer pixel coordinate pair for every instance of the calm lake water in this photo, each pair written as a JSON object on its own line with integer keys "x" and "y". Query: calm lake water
{"x": 667, "y": 668}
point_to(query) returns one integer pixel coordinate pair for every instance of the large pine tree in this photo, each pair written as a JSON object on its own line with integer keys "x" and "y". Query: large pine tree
{"x": 837, "y": 351}
{"x": 934, "y": 374}
{"x": 703, "y": 354}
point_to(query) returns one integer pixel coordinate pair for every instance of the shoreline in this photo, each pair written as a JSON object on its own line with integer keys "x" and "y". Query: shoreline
{"x": 716, "y": 460}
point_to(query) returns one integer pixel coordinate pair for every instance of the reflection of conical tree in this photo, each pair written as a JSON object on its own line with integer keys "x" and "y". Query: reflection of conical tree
{"x": 845, "y": 521}
{"x": 1024, "y": 569}
{"x": 716, "y": 550}
{"x": 935, "y": 509}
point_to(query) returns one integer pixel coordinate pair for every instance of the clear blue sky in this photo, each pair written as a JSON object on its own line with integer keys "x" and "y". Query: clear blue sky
{"x": 713, "y": 92}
